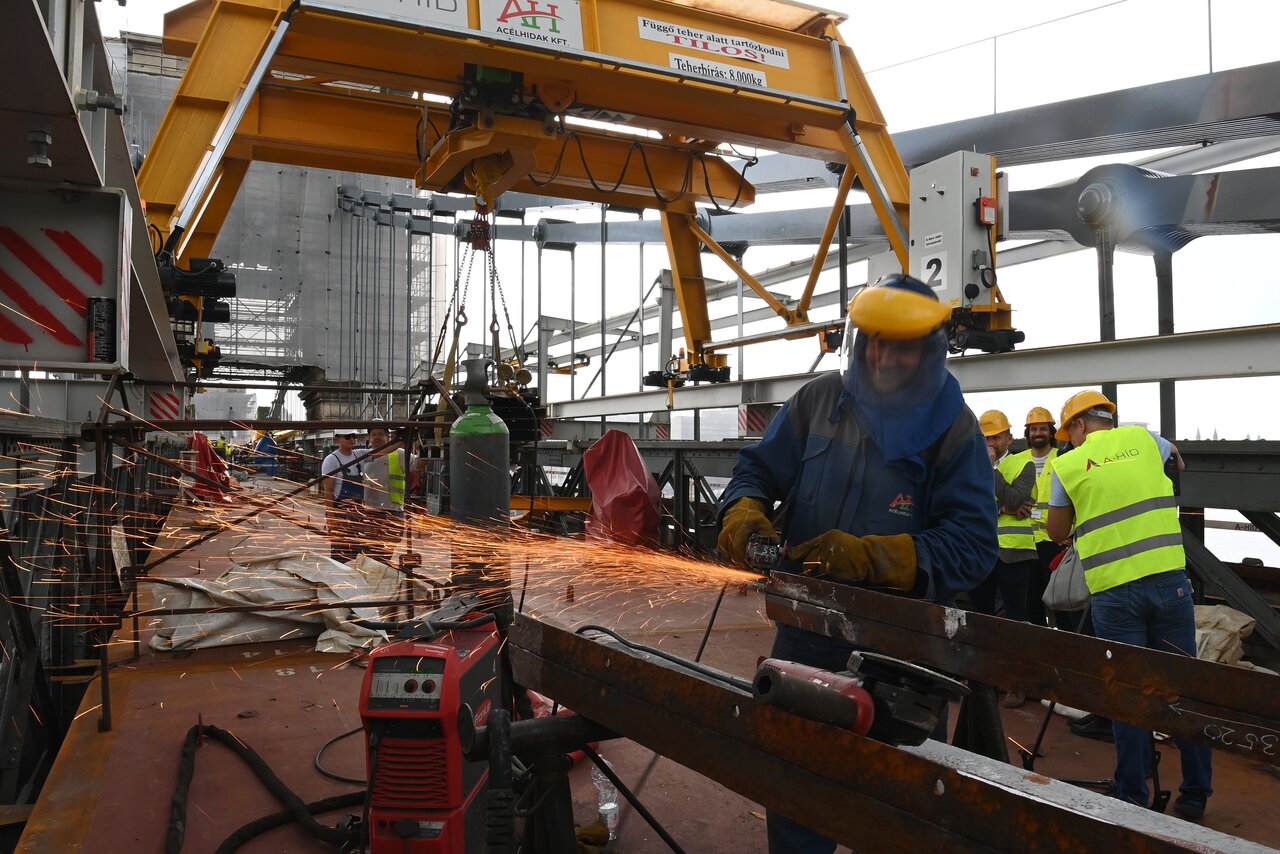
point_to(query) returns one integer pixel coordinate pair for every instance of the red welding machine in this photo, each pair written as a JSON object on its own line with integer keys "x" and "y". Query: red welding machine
{"x": 423, "y": 794}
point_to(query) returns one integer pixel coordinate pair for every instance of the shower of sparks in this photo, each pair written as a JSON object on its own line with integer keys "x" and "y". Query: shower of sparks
{"x": 73, "y": 538}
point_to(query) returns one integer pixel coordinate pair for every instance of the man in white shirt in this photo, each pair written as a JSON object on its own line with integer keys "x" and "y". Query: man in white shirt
{"x": 343, "y": 497}
{"x": 386, "y": 483}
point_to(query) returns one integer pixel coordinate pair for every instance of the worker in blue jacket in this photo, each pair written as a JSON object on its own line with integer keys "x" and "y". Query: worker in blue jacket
{"x": 879, "y": 476}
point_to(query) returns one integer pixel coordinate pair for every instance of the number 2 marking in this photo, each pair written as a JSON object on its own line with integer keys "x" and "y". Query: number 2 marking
{"x": 934, "y": 266}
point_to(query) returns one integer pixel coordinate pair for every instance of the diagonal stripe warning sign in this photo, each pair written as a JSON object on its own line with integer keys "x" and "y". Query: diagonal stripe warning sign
{"x": 164, "y": 405}
{"x": 64, "y": 280}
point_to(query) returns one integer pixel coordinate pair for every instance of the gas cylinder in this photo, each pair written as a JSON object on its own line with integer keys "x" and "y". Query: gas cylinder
{"x": 479, "y": 457}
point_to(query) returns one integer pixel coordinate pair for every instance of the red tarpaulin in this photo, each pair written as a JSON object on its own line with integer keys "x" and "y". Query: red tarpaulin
{"x": 624, "y": 493}
{"x": 212, "y": 466}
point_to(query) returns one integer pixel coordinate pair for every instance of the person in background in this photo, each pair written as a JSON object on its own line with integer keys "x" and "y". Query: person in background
{"x": 1014, "y": 480}
{"x": 1114, "y": 490}
{"x": 343, "y": 497}
{"x": 386, "y": 483}
{"x": 1038, "y": 431}
{"x": 883, "y": 475}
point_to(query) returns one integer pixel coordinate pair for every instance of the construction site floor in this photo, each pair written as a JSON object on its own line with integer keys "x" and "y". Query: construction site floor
{"x": 110, "y": 791}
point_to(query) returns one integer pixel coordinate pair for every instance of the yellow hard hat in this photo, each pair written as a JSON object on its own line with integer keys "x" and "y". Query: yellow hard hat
{"x": 898, "y": 307}
{"x": 994, "y": 422}
{"x": 1081, "y": 401}
{"x": 1038, "y": 415}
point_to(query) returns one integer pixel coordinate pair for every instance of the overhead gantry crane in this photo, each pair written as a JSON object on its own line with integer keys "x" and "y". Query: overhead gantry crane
{"x": 479, "y": 98}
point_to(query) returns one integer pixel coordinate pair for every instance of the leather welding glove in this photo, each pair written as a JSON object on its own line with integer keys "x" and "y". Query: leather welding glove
{"x": 743, "y": 518}
{"x": 882, "y": 561}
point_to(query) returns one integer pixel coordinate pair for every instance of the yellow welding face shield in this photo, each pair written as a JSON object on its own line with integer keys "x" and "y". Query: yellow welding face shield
{"x": 897, "y": 307}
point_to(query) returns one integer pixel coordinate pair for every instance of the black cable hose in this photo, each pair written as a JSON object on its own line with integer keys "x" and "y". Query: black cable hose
{"x": 279, "y": 819}
{"x": 640, "y": 148}
{"x": 332, "y": 776}
{"x": 733, "y": 681}
{"x": 186, "y": 769}
{"x": 435, "y": 627}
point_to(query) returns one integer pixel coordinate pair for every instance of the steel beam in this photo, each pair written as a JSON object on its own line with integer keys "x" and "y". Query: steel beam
{"x": 861, "y": 792}
{"x": 1249, "y": 351}
{"x": 1224, "y": 105}
{"x": 1213, "y": 704}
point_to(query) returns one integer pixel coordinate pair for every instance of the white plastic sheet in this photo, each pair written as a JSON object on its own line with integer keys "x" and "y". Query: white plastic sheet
{"x": 292, "y": 577}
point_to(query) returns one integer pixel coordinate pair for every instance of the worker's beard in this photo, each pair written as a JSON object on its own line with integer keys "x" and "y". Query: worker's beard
{"x": 887, "y": 380}
{"x": 897, "y": 384}
{"x": 1039, "y": 442}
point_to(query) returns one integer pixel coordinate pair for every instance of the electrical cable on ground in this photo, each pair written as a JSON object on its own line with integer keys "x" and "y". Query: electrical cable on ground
{"x": 298, "y": 810}
{"x": 257, "y": 827}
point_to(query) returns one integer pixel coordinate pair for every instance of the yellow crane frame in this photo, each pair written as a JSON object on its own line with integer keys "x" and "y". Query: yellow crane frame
{"x": 323, "y": 84}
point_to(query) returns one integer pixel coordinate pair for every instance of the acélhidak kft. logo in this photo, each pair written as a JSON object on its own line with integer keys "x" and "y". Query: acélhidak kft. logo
{"x": 557, "y": 24}
{"x": 532, "y": 15}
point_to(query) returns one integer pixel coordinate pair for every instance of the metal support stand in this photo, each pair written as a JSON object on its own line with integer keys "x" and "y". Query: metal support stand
{"x": 693, "y": 504}
{"x": 979, "y": 728}
{"x": 1164, "y": 312}
{"x": 1105, "y": 244}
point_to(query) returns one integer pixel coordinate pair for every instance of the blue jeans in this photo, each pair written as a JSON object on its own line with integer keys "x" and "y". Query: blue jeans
{"x": 1155, "y": 612}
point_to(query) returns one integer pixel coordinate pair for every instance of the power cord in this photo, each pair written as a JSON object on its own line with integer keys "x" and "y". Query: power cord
{"x": 331, "y": 775}
{"x": 717, "y": 675}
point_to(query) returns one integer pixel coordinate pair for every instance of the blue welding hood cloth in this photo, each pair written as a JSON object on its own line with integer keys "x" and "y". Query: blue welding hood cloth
{"x": 904, "y": 423}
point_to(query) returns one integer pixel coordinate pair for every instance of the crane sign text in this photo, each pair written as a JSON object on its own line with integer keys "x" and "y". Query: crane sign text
{"x": 720, "y": 44}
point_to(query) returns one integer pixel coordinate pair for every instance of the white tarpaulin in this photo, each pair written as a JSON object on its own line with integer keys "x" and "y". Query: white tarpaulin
{"x": 1220, "y": 633}
{"x": 290, "y": 578}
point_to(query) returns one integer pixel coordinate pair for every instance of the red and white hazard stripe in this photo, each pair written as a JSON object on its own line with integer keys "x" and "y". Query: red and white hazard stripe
{"x": 39, "y": 272}
{"x": 754, "y": 419}
{"x": 546, "y": 428}
{"x": 164, "y": 405}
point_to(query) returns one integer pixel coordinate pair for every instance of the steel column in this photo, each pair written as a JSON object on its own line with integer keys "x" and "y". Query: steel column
{"x": 1164, "y": 321}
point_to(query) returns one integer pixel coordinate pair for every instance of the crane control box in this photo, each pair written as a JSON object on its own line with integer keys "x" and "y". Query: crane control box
{"x": 958, "y": 212}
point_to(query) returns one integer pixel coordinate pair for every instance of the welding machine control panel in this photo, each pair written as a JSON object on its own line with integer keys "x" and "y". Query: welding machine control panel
{"x": 406, "y": 682}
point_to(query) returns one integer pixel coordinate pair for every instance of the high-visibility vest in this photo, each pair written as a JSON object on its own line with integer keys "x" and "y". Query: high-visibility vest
{"x": 1012, "y": 532}
{"x": 396, "y": 480}
{"x": 1126, "y": 516}
{"x": 1040, "y": 495}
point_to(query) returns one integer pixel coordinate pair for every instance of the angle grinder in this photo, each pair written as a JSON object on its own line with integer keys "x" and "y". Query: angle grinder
{"x": 879, "y": 696}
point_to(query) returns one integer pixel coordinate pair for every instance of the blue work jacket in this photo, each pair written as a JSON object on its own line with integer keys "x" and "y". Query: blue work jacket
{"x": 828, "y": 474}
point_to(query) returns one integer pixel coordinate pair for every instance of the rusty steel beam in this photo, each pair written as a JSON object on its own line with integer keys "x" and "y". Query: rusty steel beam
{"x": 183, "y": 425}
{"x": 269, "y": 386}
{"x": 1223, "y": 707}
{"x": 865, "y": 794}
